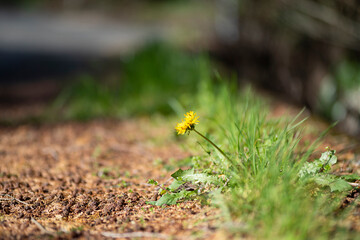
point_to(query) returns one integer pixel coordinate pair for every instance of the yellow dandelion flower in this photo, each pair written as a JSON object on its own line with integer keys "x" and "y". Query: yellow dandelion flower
{"x": 191, "y": 118}
{"x": 188, "y": 123}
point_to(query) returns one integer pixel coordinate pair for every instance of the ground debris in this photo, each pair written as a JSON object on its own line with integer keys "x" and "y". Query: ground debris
{"x": 66, "y": 181}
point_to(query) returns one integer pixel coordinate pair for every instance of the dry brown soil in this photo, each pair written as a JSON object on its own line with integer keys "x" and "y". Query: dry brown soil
{"x": 84, "y": 180}
{"x": 75, "y": 180}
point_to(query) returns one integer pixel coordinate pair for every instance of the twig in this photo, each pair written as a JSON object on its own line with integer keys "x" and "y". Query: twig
{"x": 12, "y": 198}
{"x": 227, "y": 181}
{"x": 6, "y": 199}
{"x": 160, "y": 187}
{"x": 42, "y": 229}
{"x": 134, "y": 235}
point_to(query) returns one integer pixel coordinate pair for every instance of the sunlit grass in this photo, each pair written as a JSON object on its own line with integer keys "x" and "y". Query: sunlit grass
{"x": 145, "y": 83}
{"x": 261, "y": 195}
{"x": 265, "y": 198}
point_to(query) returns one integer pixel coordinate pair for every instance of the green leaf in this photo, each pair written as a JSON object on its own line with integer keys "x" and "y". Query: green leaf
{"x": 179, "y": 173}
{"x": 340, "y": 185}
{"x": 335, "y": 184}
{"x": 332, "y": 160}
{"x": 324, "y": 181}
{"x": 175, "y": 185}
{"x": 309, "y": 169}
{"x": 162, "y": 191}
{"x": 328, "y": 157}
{"x": 168, "y": 199}
{"x": 323, "y": 164}
{"x": 351, "y": 177}
{"x": 153, "y": 182}
{"x": 172, "y": 198}
{"x": 327, "y": 168}
{"x": 190, "y": 176}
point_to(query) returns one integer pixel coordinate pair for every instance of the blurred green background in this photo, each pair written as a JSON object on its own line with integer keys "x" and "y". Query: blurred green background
{"x": 305, "y": 52}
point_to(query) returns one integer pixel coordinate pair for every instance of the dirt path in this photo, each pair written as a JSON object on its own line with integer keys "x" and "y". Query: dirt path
{"x": 84, "y": 180}
{"x": 81, "y": 180}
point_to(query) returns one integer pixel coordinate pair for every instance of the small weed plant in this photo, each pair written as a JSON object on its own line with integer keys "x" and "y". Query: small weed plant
{"x": 257, "y": 172}
{"x": 249, "y": 165}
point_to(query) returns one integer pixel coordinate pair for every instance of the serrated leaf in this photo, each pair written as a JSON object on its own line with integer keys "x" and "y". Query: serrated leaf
{"x": 172, "y": 198}
{"x": 190, "y": 176}
{"x": 340, "y": 185}
{"x": 332, "y": 160}
{"x": 168, "y": 199}
{"x": 308, "y": 169}
{"x": 328, "y": 157}
{"x": 179, "y": 173}
{"x": 324, "y": 181}
{"x": 351, "y": 177}
{"x": 200, "y": 177}
{"x": 323, "y": 164}
{"x": 175, "y": 185}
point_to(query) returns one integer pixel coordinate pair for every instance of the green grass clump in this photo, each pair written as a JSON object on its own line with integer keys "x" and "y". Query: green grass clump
{"x": 265, "y": 186}
{"x": 258, "y": 185}
{"x": 264, "y": 196}
{"x": 86, "y": 98}
{"x": 145, "y": 83}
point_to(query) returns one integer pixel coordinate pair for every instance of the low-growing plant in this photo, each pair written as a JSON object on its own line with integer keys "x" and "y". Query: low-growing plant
{"x": 257, "y": 174}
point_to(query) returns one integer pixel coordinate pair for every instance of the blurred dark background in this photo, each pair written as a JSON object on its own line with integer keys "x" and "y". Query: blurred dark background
{"x": 304, "y": 51}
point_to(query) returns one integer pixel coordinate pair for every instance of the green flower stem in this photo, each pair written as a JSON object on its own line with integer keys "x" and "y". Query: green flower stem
{"x": 221, "y": 151}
